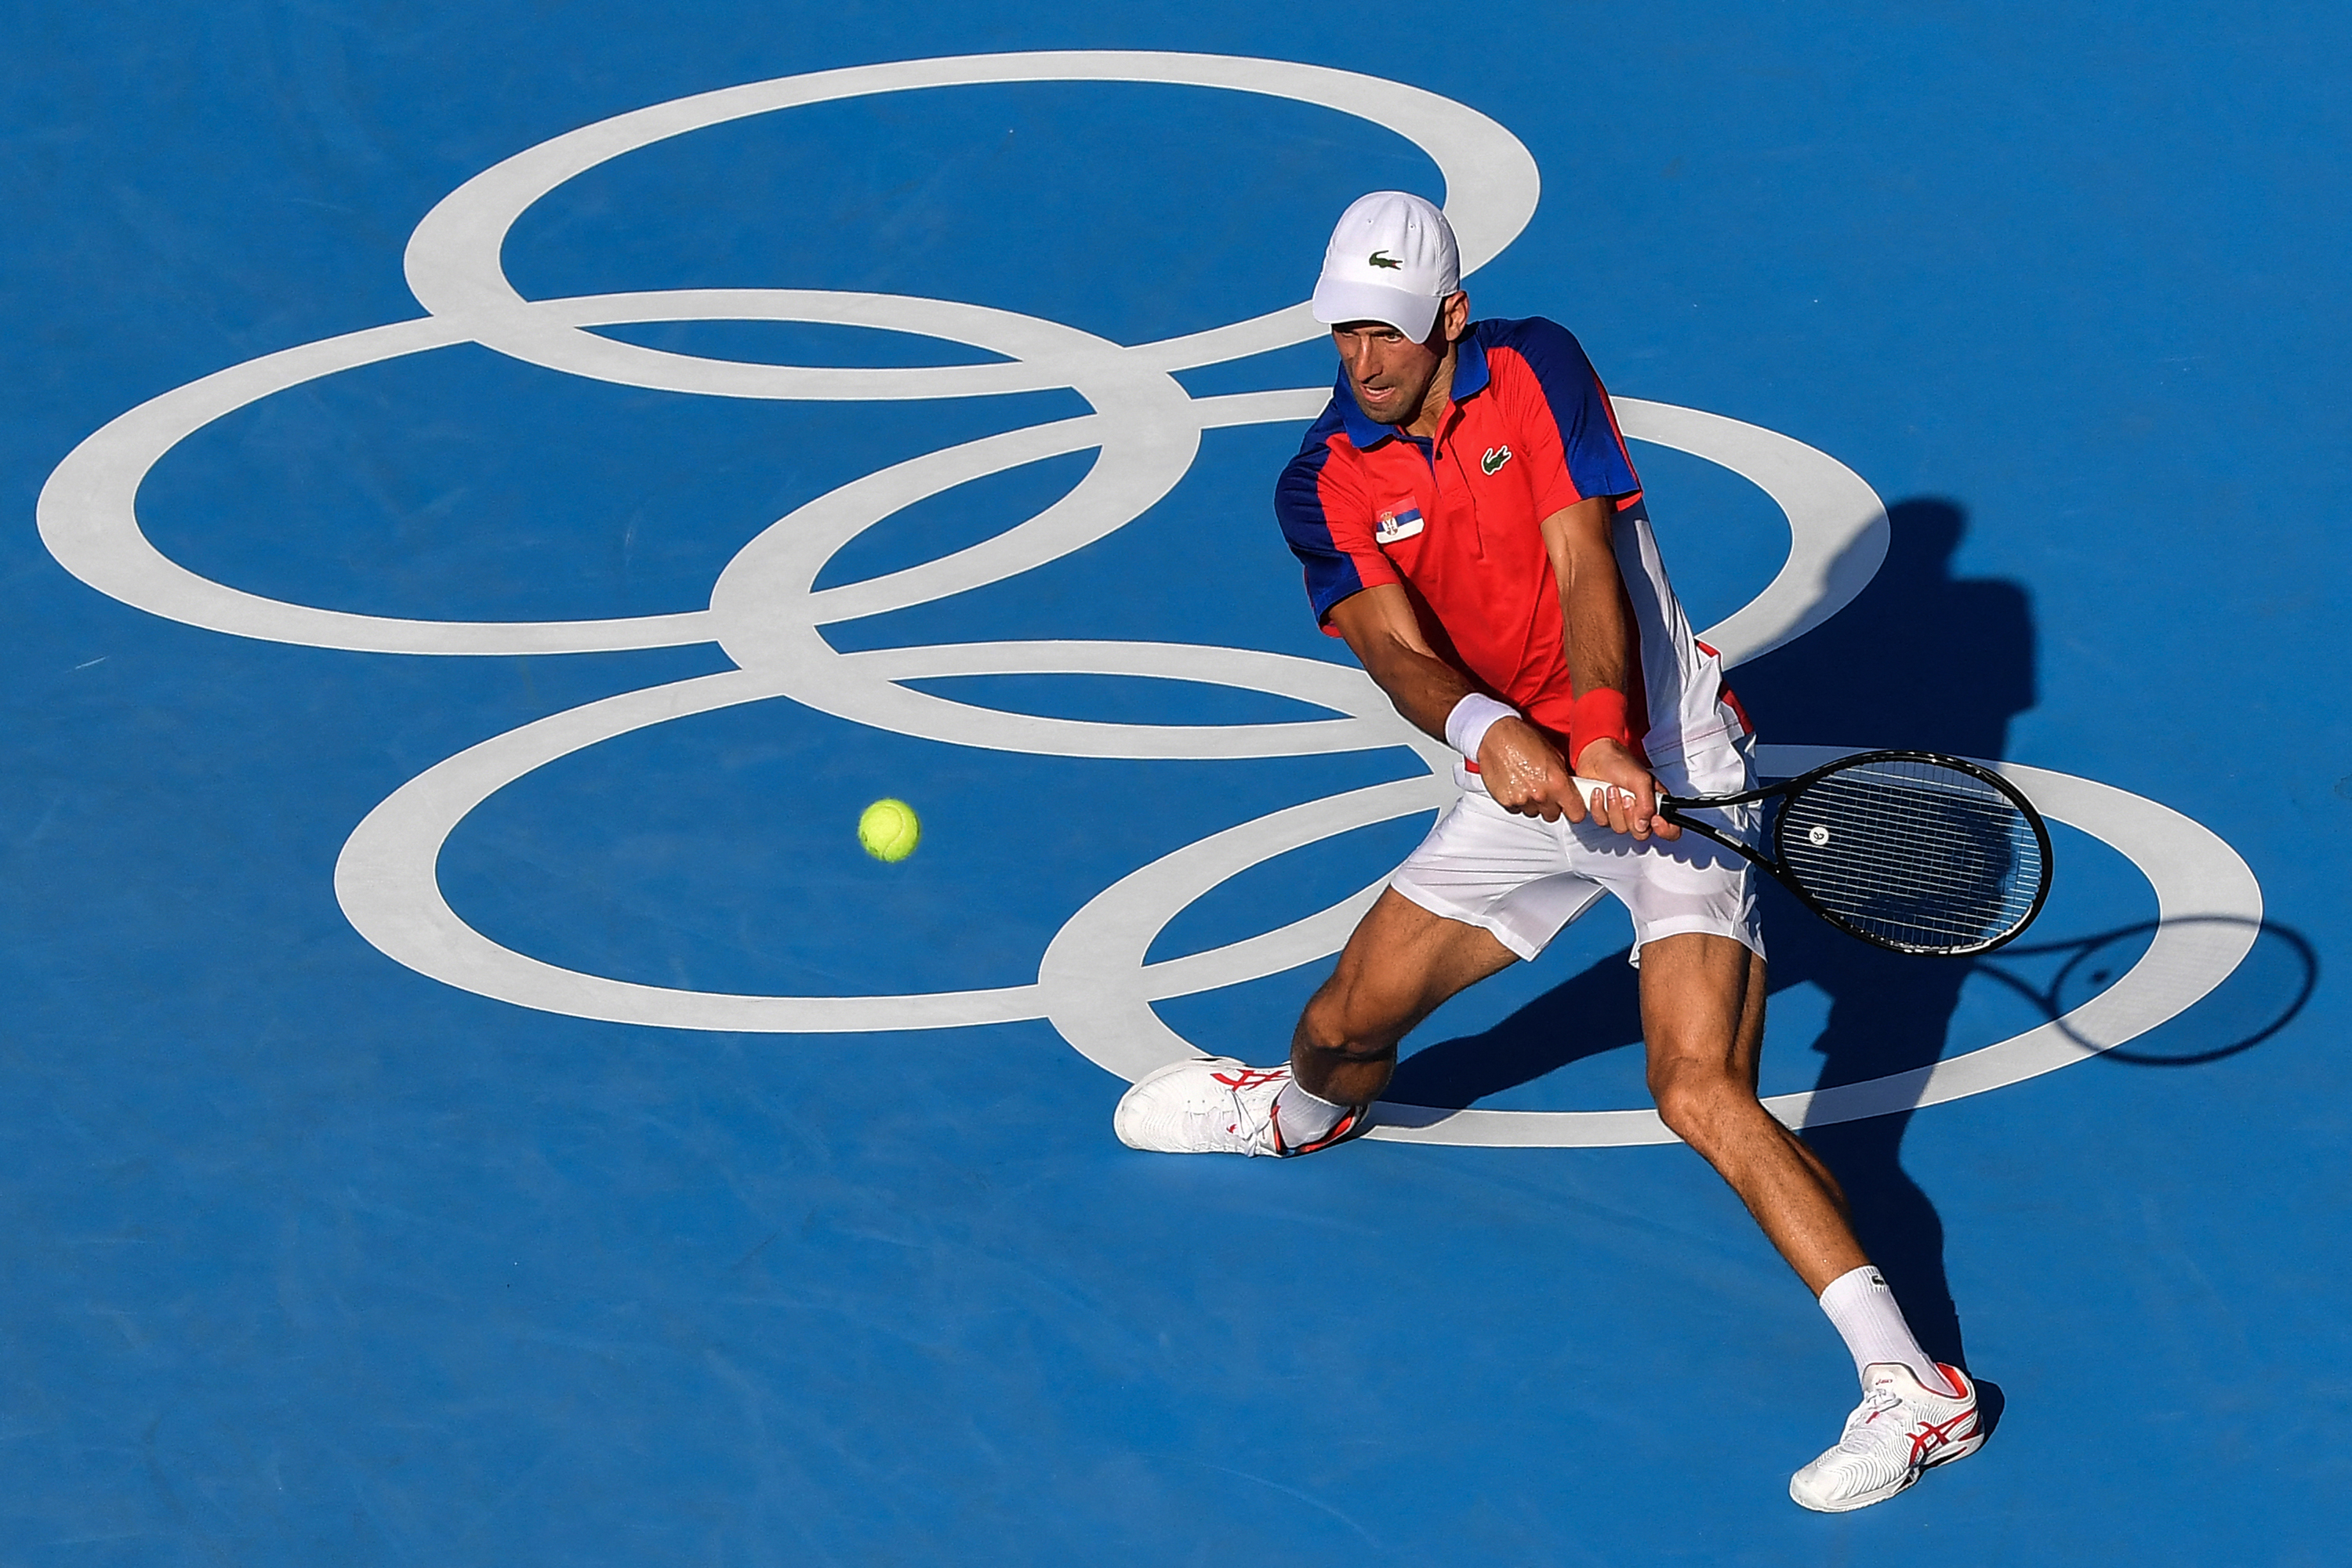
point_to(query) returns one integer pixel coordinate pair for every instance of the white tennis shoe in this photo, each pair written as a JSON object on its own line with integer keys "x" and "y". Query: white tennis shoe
{"x": 1217, "y": 1106}
{"x": 1900, "y": 1430}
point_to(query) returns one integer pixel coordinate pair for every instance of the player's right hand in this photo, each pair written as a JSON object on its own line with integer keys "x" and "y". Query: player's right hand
{"x": 1523, "y": 773}
{"x": 1628, "y": 802}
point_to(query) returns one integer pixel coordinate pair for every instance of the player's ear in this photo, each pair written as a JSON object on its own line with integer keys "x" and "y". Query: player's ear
{"x": 1454, "y": 314}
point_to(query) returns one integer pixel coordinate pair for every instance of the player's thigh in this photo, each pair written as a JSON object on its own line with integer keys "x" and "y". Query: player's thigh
{"x": 1400, "y": 964}
{"x": 1702, "y": 1009}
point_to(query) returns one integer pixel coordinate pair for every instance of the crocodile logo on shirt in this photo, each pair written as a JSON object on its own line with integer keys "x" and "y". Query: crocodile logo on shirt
{"x": 1382, "y": 258}
{"x": 1494, "y": 459}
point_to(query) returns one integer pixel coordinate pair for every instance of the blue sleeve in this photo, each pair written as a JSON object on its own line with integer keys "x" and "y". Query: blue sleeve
{"x": 1338, "y": 564}
{"x": 1592, "y": 450}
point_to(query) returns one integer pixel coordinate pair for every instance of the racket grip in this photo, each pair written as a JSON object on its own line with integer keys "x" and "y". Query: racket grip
{"x": 1585, "y": 786}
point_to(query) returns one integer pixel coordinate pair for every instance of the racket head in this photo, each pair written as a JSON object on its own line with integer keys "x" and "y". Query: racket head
{"x": 1913, "y": 851}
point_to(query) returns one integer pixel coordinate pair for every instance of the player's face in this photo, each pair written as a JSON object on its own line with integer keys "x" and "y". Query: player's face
{"x": 1388, "y": 372}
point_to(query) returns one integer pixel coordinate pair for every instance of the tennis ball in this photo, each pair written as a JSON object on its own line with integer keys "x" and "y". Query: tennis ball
{"x": 890, "y": 830}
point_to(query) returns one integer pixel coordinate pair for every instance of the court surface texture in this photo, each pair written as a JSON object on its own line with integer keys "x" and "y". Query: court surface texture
{"x": 492, "y": 492}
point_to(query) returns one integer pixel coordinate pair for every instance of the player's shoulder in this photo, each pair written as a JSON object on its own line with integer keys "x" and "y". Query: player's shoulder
{"x": 1539, "y": 340}
{"x": 1325, "y": 440}
{"x": 1325, "y": 457}
{"x": 1329, "y": 422}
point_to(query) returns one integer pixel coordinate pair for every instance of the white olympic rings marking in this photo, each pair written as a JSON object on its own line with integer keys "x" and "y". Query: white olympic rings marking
{"x": 1093, "y": 981}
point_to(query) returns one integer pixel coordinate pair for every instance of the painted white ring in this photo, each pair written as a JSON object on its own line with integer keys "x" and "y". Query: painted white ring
{"x": 455, "y": 267}
{"x": 87, "y": 513}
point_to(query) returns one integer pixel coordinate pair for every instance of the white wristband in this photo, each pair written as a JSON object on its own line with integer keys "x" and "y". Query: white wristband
{"x": 1467, "y": 725}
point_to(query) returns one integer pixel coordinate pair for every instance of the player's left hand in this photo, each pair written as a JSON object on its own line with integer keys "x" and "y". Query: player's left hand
{"x": 1632, "y": 805}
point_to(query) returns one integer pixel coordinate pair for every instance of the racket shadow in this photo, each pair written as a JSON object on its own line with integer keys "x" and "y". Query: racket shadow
{"x": 2266, "y": 992}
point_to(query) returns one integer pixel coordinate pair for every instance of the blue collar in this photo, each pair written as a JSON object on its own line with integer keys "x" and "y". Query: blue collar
{"x": 1363, "y": 431}
{"x": 1470, "y": 378}
{"x": 1470, "y": 372}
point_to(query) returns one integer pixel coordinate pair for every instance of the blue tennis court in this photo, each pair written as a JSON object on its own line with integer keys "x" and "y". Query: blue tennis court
{"x": 493, "y": 491}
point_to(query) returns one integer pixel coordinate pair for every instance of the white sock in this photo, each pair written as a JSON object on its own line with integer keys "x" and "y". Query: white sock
{"x": 1304, "y": 1119}
{"x": 1863, "y": 1312}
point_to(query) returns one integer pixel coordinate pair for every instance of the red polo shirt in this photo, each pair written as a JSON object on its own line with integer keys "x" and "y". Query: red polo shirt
{"x": 1454, "y": 518}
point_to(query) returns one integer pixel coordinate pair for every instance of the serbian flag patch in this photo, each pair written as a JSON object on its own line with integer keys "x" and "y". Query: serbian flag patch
{"x": 1396, "y": 525}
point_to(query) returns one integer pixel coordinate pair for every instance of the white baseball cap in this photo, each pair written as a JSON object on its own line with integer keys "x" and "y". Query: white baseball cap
{"x": 1393, "y": 259}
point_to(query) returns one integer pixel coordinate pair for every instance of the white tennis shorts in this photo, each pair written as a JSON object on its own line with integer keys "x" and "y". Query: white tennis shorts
{"x": 1524, "y": 878}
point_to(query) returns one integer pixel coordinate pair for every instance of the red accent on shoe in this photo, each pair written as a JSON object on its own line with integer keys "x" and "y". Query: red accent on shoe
{"x": 1345, "y": 1125}
{"x": 1931, "y": 1436}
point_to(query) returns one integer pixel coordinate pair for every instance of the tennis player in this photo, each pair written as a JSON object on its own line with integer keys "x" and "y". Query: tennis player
{"x": 1470, "y": 522}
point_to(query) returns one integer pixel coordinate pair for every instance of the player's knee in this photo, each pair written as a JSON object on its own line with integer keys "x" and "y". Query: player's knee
{"x": 1335, "y": 1025}
{"x": 1692, "y": 1099}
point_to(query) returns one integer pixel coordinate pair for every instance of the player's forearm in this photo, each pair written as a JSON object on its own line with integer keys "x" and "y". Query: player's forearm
{"x": 1596, "y": 621}
{"x": 1384, "y": 634}
{"x": 1519, "y": 765}
{"x": 1599, "y": 622}
{"x": 1599, "y": 628}
{"x": 1423, "y": 687}
{"x": 1600, "y": 655}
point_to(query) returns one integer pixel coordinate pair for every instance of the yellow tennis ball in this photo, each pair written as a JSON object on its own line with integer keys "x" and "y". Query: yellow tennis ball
{"x": 890, "y": 830}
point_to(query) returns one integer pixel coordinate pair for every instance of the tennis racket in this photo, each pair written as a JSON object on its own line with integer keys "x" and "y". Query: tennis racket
{"x": 1909, "y": 850}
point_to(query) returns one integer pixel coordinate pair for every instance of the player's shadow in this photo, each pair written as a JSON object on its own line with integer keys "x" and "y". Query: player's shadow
{"x": 1920, "y": 659}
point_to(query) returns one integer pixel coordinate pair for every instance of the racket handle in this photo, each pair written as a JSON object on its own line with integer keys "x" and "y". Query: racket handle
{"x": 1585, "y": 786}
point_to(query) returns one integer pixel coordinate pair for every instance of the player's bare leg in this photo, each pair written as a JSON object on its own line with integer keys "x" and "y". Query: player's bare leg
{"x": 1398, "y": 966}
{"x": 1703, "y": 1018}
{"x": 1703, "y": 1015}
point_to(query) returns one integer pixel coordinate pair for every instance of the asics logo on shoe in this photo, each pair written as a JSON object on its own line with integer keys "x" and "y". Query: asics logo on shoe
{"x": 1930, "y": 1437}
{"x": 1927, "y": 1435}
{"x": 1251, "y": 1077}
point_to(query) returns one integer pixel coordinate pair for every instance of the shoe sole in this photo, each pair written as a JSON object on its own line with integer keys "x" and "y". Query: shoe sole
{"x": 1959, "y": 1450}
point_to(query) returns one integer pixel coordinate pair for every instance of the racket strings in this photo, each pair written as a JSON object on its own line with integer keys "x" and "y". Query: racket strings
{"x": 1914, "y": 853}
{"x": 1963, "y": 872}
